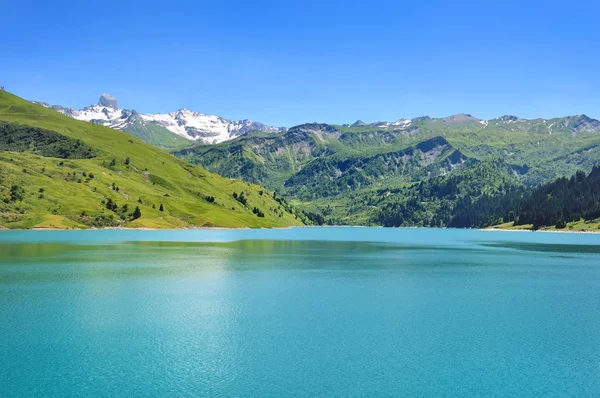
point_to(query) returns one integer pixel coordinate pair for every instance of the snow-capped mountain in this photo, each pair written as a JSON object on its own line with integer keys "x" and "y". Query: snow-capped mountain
{"x": 208, "y": 128}
{"x": 401, "y": 123}
{"x": 194, "y": 126}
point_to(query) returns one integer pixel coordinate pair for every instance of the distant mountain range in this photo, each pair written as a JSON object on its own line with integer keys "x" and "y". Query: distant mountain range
{"x": 458, "y": 171}
{"x": 183, "y": 127}
{"x": 166, "y": 130}
{"x": 348, "y": 172}
{"x": 575, "y": 124}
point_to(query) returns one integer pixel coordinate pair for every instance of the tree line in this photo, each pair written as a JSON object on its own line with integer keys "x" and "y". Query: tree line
{"x": 461, "y": 202}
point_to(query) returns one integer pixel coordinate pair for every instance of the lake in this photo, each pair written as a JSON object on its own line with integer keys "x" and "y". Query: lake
{"x": 299, "y": 312}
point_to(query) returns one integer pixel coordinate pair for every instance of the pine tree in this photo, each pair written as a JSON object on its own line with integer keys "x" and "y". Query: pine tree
{"x": 137, "y": 213}
{"x": 110, "y": 205}
{"x": 16, "y": 193}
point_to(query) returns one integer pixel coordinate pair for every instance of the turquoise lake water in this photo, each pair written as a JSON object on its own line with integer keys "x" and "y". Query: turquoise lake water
{"x": 299, "y": 312}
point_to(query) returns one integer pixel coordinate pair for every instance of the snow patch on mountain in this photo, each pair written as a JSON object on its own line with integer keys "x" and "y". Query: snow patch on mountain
{"x": 97, "y": 113}
{"x": 208, "y": 128}
{"x": 402, "y": 122}
{"x": 194, "y": 126}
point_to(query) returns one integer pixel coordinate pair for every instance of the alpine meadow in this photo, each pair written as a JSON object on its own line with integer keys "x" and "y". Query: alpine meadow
{"x": 56, "y": 172}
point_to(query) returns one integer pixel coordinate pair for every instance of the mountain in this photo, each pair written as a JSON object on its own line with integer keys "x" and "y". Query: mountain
{"x": 439, "y": 201}
{"x": 422, "y": 171}
{"x": 168, "y": 130}
{"x": 57, "y": 172}
{"x": 108, "y": 101}
{"x": 205, "y": 128}
{"x": 107, "y": 113}
{"x": 336, "y": 174}
{"x": 339, "y": 171}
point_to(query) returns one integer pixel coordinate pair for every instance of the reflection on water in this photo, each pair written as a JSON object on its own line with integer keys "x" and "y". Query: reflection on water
{"x": 547, "y": 247}
{"x": 60, "y": 260}
{"x": 370, "y": 313}
{"x": 56, "y": 261}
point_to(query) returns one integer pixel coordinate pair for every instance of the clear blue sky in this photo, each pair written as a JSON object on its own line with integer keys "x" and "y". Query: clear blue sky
{"x": 289, "y": 62}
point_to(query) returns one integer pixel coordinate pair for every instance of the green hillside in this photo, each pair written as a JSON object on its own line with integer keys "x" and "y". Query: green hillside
{"x": 156, "y": 135}
{"x": 342, "y": 171}
{"x": 57, "y": 172}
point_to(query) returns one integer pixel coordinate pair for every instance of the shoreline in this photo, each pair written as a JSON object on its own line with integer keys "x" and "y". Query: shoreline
{"x": 300, "y": 226}
{"x": 552, "y": 231}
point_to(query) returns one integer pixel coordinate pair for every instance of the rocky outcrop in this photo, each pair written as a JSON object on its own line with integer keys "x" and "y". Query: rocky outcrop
{"x": 584, "y": 124}
{"x": 579, "y": 124}
{"x": 108, "y": 101}
{"x": 460, "y": 118}
{"x": 506, "y": 119}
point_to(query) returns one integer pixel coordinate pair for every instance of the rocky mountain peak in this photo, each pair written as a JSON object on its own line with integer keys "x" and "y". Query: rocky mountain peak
{"x": 508, "y": 119}
{"x": 586, "y": 119}
{"x": 584, "y": 124}
{"x": 460, "y": 118}
{"x": 108, "y": 101}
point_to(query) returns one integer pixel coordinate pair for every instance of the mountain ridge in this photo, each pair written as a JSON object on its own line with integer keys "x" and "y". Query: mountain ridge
{"x": 324, "y": 167}
{"x": 187, "y": 124}
{"x": 200, "y": 128}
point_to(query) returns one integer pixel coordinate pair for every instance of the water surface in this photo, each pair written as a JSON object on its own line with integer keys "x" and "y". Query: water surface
{"x": 299, "y": 312}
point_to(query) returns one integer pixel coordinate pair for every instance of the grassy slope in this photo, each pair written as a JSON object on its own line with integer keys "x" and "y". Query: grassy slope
{"x": 64, "y": 198}
{"x": 576, "y": 226}
{"x": 157, "y": 135}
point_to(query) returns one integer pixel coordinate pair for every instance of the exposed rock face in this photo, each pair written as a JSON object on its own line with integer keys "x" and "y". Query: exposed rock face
{"x": 580, "y": 124}
{"x": 108, "y": 101}
{"x": 506, "y": 119}
{"x": 434, "y": 156}
{"x": 422, "y": 119}
{"x": 460, "y": 118}
{"x": 67, "y": 111}
{"x": 585, "y": 124}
